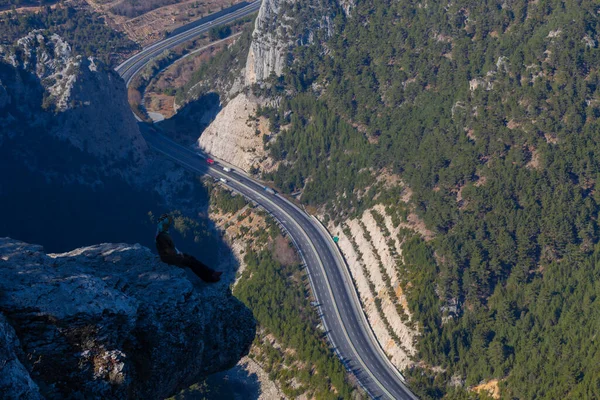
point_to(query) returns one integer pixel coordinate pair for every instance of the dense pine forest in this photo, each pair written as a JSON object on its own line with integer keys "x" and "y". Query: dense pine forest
{"x": 488, "y": 111}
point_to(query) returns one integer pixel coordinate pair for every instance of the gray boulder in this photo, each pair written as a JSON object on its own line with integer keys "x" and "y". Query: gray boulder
{"x": 15, "y": 381}
{"x": 111, "y": 321}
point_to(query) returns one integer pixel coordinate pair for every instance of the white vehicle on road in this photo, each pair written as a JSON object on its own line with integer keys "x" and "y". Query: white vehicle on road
{"x": 223, "y": 180}
{"x": 226, "y": 169}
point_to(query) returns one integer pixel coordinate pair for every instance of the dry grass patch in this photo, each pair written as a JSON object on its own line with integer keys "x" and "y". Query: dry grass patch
{"x": 535, "y": 161}
{"x": 160, "y": 103}
{"x": 490, "y": 388}
{"x": 153, "y": 20}
{"x": 418, "y": 225}
{"x": 283, "y": 251}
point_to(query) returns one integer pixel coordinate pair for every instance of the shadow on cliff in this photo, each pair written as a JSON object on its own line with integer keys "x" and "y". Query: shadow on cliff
{"x": 236, "y": 383}
{"x": 63, "y": 197}
{"x": 187, "y": 125}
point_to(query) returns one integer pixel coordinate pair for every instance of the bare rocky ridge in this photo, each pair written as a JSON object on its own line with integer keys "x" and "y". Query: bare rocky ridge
{"x": 111, "y": 321}
{"x": 278, "y": 30}
{"x": 45, "y": 84}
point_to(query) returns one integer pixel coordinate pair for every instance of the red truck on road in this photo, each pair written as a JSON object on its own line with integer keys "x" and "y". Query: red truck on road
{"x": 210, "y": 161}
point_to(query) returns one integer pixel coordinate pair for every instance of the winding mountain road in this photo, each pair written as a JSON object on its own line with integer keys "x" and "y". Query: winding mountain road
{"x": 347, "y": 329}
{"x": 133, "y": 65}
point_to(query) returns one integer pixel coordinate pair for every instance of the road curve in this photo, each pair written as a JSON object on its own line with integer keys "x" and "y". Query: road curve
{"x": 343, "y": 318}
{"x": 130, "y": 67}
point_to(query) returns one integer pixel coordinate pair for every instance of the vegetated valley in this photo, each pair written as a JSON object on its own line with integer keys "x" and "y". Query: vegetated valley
{"x": 274, "y": 285}
{"x": 488, "y": 115}
{"x": 473, "y": 128}
{"x": 119, "y": 206}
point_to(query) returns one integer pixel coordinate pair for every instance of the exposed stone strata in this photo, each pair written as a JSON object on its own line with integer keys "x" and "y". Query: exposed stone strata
{"x": 397, "y": 355}
{"x": 113, "y": 321}
{"x": 268, "y": 50}
{"x": 378, "y": 279}
{"x": 379, "y": 245}
{"x": 278, "y": 29}
{"x": 400, "y": 354}
{"x": 236, "y": 137}
{"x": 394, "y": 231}
{"x": 51, "y": 60}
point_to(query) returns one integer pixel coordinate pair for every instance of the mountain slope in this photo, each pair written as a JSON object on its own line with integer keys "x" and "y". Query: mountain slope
{"x": 488, "y": 113}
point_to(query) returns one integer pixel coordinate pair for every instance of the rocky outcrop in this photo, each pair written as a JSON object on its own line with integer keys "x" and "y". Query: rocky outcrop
{"x": 111, "y": 321}
{"x": 269, "y": 48}
{"x": 87, "y": 161}
{"x": 42, "y": 83}
{"x": 347, "y": 6}
{"x": 51, "y": 60}
{"x": 282, "y": 25}
{"x": 236, "y": 137}
{"x": 15, "y": 381}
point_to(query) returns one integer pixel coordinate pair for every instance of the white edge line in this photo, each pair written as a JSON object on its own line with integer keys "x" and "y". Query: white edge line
{"x": 357, "y": 302}
{"x": 359, "y": 358}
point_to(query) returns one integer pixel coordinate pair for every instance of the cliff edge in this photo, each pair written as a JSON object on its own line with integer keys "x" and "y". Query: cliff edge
{"x": 48, "y": 91}
{"x": 111, "y": 321}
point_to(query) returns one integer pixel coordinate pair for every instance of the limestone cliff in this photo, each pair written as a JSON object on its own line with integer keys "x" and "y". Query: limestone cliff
{"x": 269, "y": 47}
{"x": 44, "y": 85}
{"x": 236, "y": 136}
{"x": 111, "y": 321}
{"x": 282, "y": 25}
{"x": 68, "y": 136}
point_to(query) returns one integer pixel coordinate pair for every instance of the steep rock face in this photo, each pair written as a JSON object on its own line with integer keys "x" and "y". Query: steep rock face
{"x": 282, "y": 25}
{"x": 234, "y": 136}
{"x": 269, "y": 48}
{"x": 73, "y": 98}
{"x": 112, "y": 321}
{"x": 84, "y": 157}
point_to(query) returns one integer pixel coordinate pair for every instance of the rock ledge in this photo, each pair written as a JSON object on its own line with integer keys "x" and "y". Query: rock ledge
{"x": 111, "y": 321}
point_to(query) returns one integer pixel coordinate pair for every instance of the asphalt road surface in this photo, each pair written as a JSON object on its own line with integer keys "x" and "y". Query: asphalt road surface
{"x": 337, "y": 300}
{"x": 338, "y": 304}
{"x": 130, "y": 67}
